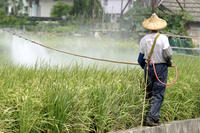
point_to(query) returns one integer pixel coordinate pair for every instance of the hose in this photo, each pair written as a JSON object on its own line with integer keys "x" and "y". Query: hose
{"x": 154, "y": 68}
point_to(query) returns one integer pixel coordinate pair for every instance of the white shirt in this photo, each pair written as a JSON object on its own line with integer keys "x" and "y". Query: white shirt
{"x": 161, "y": 43}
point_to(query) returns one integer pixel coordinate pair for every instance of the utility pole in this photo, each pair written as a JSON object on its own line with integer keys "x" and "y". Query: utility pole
{"x": 102, "y": 22}
{"x": 153, "y": 6}
{"x": 94, "y": 11}
{"x": 180, "y": 5}
{"x": 122, "y": 2}
{"x": 184, "y": 3}
{"x": 122, "y": 11}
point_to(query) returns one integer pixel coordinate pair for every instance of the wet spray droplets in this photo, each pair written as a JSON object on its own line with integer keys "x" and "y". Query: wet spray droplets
{"x": 27, "y": 53}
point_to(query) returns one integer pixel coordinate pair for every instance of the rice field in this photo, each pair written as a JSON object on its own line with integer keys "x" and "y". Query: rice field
{"x": 79, "y": 99}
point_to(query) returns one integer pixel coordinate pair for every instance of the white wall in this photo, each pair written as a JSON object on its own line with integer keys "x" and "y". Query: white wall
{"x": 195, "y": 31}
{"x": 45, "y": 7}
{"x": 115, "y": 6}
{"x": 35, "y": 10}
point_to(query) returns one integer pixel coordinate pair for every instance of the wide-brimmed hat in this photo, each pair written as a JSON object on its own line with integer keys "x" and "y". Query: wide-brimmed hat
{"x": 154, "y": 23}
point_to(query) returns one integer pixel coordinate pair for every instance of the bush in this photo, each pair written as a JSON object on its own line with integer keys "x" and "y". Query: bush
{"x": 61, "y": 9}
{"x": 77, "y": 99}
{"x": 11, "y": 20}
{"x": 85, "y": 7}
{"x": 175, "y": 24}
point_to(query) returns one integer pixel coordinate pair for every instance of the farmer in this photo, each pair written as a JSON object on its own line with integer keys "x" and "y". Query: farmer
{"x": 162, "y": 58}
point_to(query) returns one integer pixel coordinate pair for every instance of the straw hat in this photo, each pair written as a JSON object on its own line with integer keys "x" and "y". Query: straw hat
{"x": 154, "y": 23}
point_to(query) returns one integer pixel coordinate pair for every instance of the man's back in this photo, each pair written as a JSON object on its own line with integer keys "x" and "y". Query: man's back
{"x": 161, "y": 44}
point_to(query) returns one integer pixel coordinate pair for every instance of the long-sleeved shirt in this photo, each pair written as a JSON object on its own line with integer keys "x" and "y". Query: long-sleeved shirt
{"x": 161, "y": 45}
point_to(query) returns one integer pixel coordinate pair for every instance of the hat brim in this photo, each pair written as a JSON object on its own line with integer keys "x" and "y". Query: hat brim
{"x": 154, "y": 23}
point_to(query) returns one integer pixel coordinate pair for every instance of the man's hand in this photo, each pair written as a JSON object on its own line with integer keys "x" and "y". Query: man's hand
{"x": 141, "y": 60}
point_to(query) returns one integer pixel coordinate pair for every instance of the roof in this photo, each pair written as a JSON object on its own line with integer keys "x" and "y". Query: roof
{"x": 192, "y": 6}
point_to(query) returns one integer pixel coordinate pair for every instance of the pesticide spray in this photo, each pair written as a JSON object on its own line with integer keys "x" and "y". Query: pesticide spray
{"x": 27, "y": 53}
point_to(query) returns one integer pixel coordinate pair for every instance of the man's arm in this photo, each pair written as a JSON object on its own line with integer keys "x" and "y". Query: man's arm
{"x": 167, "y": 55}
{"x": 141, "y": 60}
{"x": 167, "y": 51}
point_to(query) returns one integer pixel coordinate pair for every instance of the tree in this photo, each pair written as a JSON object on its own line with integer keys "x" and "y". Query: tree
{"x": 79, "y": 7}
{"x": 3, "y": 4}
{"x": 61, "y": 9}
{"x": 17, "y": 6}
{"x": 88, "y": 8}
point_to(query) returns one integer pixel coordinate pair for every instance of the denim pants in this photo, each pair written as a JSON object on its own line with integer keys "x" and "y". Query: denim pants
{"x": 156, "y": 90}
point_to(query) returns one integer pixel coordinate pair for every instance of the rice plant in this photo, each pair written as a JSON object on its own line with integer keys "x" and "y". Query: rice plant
{"x": 78, "y": 99}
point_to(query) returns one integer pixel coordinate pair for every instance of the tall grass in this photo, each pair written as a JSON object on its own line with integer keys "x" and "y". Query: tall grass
{"x": 182, "y": 99}
{"x": 82, "y": 99}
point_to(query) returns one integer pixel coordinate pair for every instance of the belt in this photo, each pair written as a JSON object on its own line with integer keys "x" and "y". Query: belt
{"x": 150, "y": 63}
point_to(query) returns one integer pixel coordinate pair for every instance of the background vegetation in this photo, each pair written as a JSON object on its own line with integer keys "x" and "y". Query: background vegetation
{"x": 61, "y": 9}
{"x": 133, "y": 19}
{"x": 88, "y": 15}
{"x": 87, "y": 8}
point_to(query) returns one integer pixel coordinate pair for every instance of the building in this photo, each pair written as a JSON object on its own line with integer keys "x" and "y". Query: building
{"x": 42, "y": 8}
{"x": 35, "y": 8}
{"x": 115, "y": 7}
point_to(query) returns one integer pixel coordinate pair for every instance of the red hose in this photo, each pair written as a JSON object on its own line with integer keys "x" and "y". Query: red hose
{"x": 159, "y": 79}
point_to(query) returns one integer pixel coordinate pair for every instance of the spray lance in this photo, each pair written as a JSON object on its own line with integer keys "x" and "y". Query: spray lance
{"x": 99, "y": 59}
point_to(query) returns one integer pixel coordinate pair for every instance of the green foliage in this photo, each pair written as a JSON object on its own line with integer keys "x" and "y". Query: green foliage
{"x": 183, "y": 42}
{"x": 2, "y": 13}
{"x": 3, "y": 3}
{"x": 76, "y": 99}
{"x": 175, "y": 24}
{"x": 61, "y": 9}
{"x": 11, "y": 20}
{"x": 79, "y": 6}
{"x": 17, "y": 6}
{"x": 86, "y": 7}
{"x": 182, "y": 98}
{"x": 133, "y": 21}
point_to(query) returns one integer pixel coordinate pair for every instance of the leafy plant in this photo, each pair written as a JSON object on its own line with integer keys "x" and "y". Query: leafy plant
{"x": 77, "y": 99}
{"x": 176, "y": 24}
{"x": 81, "y": 99}
{"x": 3, "y": 3}
{"x": 86, "y": 8}
{"x": 61, "y": 9}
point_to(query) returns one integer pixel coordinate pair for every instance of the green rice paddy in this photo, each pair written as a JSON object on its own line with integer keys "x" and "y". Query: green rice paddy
{"x": 79, "y": 99}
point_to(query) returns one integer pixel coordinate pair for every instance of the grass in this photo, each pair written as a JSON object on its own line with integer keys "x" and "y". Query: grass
{"x": 78, "y": 99}
{"x": 182, "y": 98}
{"x": 66, "y": 100}
{"x": 81, "y": 99}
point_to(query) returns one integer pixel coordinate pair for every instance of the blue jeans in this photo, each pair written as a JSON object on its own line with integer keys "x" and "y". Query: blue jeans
{"x": 156, "y": 90}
